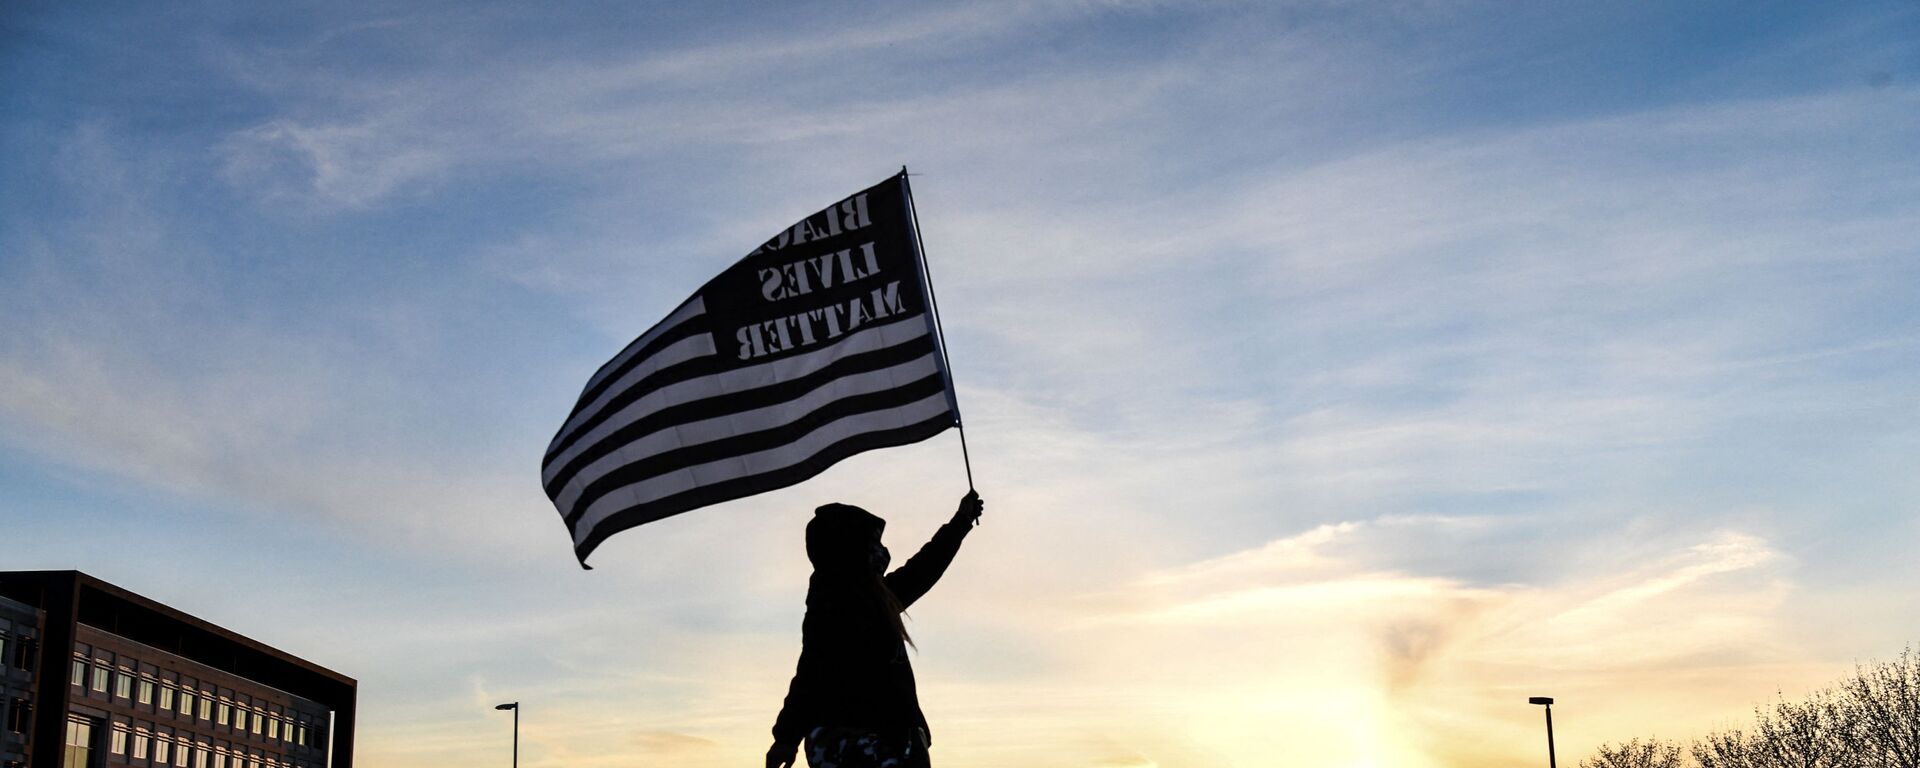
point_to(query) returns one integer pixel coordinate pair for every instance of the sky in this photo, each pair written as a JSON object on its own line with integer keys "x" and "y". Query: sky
{"x": 1338, "y": 375}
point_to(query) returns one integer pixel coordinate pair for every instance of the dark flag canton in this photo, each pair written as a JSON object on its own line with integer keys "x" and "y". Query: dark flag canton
{"x": 815, "y": 347}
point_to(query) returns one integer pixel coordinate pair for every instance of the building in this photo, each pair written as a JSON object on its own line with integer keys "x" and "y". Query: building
{"x": 94, "y": 676}
{"x": 19, "y": 641}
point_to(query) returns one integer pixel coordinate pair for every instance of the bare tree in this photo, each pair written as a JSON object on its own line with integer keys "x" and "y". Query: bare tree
{"x": 1652, "y": 753}
{"x": 1882, "y": 703}
{"x": 1816, "y": 733}
{"x": 1726, "y": 749}
{"x": 1869, "y": 720}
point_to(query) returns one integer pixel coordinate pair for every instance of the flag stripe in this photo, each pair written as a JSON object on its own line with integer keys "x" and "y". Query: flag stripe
{"x": 673, "y": 352}
{"x": 728, "y": 491}
{"x": 816, "y": 391}
{"x": 691, "y": 369}
{"x": 640, "y": 470}
{"x": 643, "y": 412}
{"x": 687, "y": 310}
{"x": 777, "y": 467}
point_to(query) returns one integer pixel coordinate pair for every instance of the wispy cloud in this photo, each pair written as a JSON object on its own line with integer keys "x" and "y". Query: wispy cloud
{"x": 350, "y": 165}
{"x": 138, "y": 354}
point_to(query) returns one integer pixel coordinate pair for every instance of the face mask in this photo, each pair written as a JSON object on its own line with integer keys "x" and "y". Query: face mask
{"x": 879, "y": 558}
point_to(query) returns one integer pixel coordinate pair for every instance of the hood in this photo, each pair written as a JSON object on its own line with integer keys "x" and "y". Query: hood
{"x": 840, "y": 538}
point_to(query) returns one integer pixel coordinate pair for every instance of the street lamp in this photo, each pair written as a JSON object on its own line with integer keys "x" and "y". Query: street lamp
{"x": 515, "y": 706}
{"x": 1545, "y": 701}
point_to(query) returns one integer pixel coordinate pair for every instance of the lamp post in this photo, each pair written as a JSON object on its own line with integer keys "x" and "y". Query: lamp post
{"x": 1547, "y": 701}
{"x": 515, "y": 706}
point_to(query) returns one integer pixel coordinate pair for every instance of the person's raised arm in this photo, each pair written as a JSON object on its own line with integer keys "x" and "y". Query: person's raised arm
{"x": 910, "y": 581}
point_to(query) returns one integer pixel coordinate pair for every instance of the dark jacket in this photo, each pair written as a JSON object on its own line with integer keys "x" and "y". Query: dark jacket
{"x": 853, "y": 669}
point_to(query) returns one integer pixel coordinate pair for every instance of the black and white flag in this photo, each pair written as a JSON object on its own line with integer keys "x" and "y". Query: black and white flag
{"x": 818, "y": 345}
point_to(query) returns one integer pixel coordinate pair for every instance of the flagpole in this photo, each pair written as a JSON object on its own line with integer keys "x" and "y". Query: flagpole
{"x": 933, "y": 302}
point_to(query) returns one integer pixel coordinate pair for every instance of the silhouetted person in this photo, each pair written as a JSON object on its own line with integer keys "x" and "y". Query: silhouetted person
{"x": 852, "y": 699}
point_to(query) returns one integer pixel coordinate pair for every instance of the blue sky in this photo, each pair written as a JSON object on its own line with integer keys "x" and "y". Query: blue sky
{"x": 1338, "y": 374}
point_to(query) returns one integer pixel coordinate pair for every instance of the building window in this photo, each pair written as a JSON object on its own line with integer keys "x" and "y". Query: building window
{"x": 20, "y": 716}
{"x": 273, "y": 728}
{"x": 79, "y": 744}
{"x": 140, "y": 741}
{"x": 186, "y": 703}
{"x": 257, "y": 717}
{"x": 225, "y": 713}
{"x": 79, "y": 676}
{"x": 239, "y": 719}
{"x": 24, "y": 647}
{"x": 146, "y": 692}
{"x": 100, "y": 679}
{"x": 206, "y": 706}
{"x": 180, "y": 754}
{"x": 122, "y": 685}
{"x": 119, "y": 740}
{"x": 303, "y": 734}
{"x": 219, "y": 760}
{"x": 162, "y": 749}
{"x": 166, "y": 696}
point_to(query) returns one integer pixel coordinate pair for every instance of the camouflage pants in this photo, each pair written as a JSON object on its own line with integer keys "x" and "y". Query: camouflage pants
{"x": 860, "y": 748}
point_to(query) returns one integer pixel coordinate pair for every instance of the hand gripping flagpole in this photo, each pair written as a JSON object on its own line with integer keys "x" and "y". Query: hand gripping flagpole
{"x": 940, "y": 334}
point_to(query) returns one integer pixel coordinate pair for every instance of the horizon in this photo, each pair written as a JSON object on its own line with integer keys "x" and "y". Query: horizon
{"x": 1338, "y": 376}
